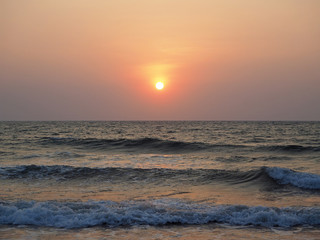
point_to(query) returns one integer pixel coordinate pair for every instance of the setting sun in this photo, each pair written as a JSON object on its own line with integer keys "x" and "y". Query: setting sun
{"x": 159, "y": 85}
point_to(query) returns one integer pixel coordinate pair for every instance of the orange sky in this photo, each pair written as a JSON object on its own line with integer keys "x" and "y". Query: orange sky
{"x": 219, "y": 60}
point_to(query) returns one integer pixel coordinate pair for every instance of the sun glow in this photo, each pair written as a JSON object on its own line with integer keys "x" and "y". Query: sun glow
{"x": 159, "y": 85}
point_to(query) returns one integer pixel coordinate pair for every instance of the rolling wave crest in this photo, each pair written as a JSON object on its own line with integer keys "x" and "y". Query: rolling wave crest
{"x": 273, "y": 175}
{"x": 167, "y": 146}
{"x": 141, "y": 144}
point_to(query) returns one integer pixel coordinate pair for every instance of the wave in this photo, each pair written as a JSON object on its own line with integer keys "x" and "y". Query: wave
{"x": 289, "y": 148}
{"x": 136, "y": 145}
{"x": 153, "y": 212}
{"x": 63, "y": 172}
{"x": 151, "y": 145}
{"x": 297, "y": 179}
{"x": 264, "y": 175}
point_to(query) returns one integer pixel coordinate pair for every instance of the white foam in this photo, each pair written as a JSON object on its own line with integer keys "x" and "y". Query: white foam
{"x": 298, "y": 179}
{"x": 157, "y": 212}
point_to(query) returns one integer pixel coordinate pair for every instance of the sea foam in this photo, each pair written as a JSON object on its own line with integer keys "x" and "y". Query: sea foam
{"x": 298, "y": 179}
{"x": 155, "y": 213}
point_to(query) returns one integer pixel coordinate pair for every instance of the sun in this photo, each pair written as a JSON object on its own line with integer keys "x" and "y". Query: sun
{"x": 159, "y": 85}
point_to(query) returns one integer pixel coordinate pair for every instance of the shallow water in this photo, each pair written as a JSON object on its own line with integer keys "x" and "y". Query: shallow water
{"x": 160, "y": 180}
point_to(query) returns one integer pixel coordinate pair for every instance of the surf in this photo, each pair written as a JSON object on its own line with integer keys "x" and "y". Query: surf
{"x": 151, "y": 212}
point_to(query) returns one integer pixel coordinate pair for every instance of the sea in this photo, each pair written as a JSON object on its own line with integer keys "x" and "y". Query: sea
{"x": 159, "y": 180}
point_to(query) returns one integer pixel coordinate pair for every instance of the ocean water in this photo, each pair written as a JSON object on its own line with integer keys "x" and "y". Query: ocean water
{"x": 160, "y": 180}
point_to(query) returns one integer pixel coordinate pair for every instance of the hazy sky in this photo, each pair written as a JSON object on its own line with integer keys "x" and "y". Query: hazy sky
{"x": 218, "y": 59}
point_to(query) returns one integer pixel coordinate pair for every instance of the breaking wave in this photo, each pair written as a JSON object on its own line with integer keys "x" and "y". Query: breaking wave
{"x": 153, "y": 212}
{"x": 297, "y": 179}
{"x": 264, "y": 175}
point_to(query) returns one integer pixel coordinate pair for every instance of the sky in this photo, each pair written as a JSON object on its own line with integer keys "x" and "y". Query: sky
{"x": 217, "y": 59}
